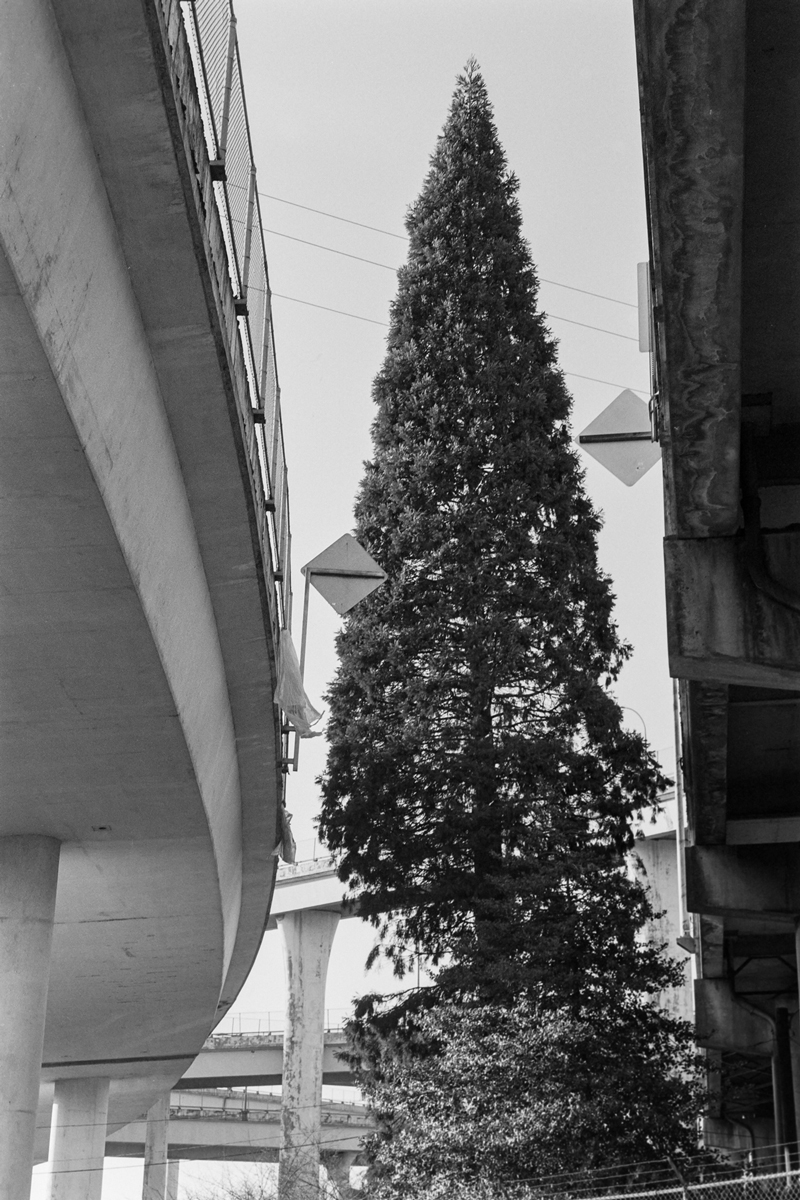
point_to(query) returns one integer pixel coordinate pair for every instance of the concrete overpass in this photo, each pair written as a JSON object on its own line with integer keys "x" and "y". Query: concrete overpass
{"x": 256, "y": 1060}
{"x": 311, "y": 885}
{"x": 721, "y": 126}
{"x": 144, "y": 540}
{"x": 216, "y": 1125}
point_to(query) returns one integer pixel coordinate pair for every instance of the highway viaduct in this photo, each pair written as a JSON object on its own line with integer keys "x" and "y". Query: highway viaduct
{"x": 144, "y": 537}
{"x": 721, "y": 130}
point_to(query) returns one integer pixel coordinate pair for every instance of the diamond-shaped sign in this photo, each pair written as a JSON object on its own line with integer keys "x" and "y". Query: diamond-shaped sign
{"x": 344, "y": 574}
{"x": 619, "y": 438}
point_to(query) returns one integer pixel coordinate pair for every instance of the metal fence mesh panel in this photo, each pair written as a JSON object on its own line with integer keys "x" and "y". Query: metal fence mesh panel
{"x": 210, "y": 31}
{"x": 766, "y": 1173}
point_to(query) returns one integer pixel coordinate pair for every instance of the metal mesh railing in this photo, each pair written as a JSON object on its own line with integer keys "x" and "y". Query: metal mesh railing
{"x": 764, "y": 1173}
{"x": 201, "y": 37}
{"x": 266, "y": 1024}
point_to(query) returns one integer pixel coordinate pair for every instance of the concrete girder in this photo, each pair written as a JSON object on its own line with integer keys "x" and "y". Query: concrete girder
{"x": 252, "y": 1060}
{"x": 721, "y": 628}
{"x": 214, "y": 1125}
{"x": 692, "y": 66}
{"x": 723, "y": 1023}
{"x": 704, "y": 716}
{"x": 744, "y": 880}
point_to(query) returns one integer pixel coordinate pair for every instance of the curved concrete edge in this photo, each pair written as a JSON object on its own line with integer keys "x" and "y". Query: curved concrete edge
{"x": 72, "y": 274}
{"x": 260, "y": 820}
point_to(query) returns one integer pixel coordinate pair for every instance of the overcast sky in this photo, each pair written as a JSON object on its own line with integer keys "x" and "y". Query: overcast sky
{"x": 346, "y": 99}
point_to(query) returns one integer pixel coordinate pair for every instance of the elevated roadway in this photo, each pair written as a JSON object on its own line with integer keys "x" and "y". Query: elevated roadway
{"x": 233, "y": 1127}
{"x": 310, "y": 885}
{"x": 143, "y": 545}
{"x": 721, "y": 126}
{"x": 256, "y": 1060}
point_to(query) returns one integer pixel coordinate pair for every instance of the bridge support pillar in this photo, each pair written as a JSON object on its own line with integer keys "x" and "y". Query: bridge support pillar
{"x": 306, "y": 937}
{"x": 173, "y": 1176}
{"x": 155, "y": 1151}
{"x": 78, "y": 1139}
{"x": 28, "y": 878}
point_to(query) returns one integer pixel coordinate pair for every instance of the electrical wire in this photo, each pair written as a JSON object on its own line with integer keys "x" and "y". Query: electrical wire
{"x": 325, "y": 308}
{"x": 333, "y": 216}
{"x": 400, "y": 237}
{"x": 385, "y": 324}
{"x": 330, "y": 249}
{"x": 583, "y": 325}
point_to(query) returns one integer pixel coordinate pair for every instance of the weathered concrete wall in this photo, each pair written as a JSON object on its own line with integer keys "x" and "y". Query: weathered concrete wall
{"x": 692, "y": 70}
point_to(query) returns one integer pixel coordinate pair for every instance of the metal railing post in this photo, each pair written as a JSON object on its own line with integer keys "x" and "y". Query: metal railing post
{"x": 248, "y": 237}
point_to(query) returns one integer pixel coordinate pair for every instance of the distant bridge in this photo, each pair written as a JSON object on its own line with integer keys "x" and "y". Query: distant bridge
{"x": 256, "y": 1060}
{"x": 216, "y": 1125}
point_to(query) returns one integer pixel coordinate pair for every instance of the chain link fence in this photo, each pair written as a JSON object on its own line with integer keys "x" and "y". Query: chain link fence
{"x": 763, "y": 1173}
{"x": 204, "y": 59}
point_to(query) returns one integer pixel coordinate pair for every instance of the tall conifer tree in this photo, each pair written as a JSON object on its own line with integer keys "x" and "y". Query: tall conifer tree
{"x": 479, "y": 784}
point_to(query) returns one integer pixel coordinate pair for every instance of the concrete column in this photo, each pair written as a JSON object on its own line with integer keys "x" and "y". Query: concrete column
{"x": 173, "y": 1176}
{"x": 28, "y": 878}
{"x": 155, "y": 1151}
{"x": 78, "y": 1139}
{"x": 307, "y": 937}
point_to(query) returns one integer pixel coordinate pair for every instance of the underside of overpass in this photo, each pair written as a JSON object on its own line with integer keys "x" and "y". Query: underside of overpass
{"x": 720, "y": 96}
{"x": 142, "y": 570}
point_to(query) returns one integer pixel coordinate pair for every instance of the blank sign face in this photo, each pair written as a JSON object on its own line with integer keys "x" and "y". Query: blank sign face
{"x": 629, "y": 460}
{"x": 344, "y": 574}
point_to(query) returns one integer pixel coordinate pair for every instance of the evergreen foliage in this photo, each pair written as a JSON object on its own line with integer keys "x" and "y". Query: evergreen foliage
{"x": 480, "y": 787}
{"x": 493, "y": 1094}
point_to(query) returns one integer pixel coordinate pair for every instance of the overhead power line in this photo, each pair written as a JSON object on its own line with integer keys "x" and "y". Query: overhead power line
{"x": 592, "y": 379}
{"x": 333, "y": 216}
{"x": 339, "y": 311}
{"x": 400, "y": 237}
{"x": 330, "y": 249}
{"x": 583, "y": 325}
{"x": 583, "y": 292}
{"x": 385, "y": 324}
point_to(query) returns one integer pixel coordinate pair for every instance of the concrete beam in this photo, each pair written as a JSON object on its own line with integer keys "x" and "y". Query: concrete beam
{"x": 704, "y": 718}
{"x": 309, "y": 885}
{"x": 256, "y": 1060}
{"x": 723, "y": 1023}
{"x": 762, "y": 831}
{"x": 721, "y": 629}
{"x": 692, "y": 68}
{"x": 724, "y": 880}
{"x": 234, "y": 1127}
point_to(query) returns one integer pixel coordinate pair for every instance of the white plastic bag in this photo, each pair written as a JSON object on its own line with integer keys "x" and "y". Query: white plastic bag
{"x": 290, "y": 693}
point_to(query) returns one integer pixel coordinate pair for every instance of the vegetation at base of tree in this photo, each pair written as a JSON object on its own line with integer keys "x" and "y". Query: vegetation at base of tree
{"x": 480, "y": 787}
{"x": 492, "y": 1093}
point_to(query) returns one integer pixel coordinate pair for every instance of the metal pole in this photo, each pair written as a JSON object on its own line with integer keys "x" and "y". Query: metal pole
{"x": 248, "y": 238}
{"x": 262, "y": 383}
{"x": 787, "y": 1136}
{"x": 305, "y": 625}
{"x": 306, "y": 593}
{"x": 680, "y": 832}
